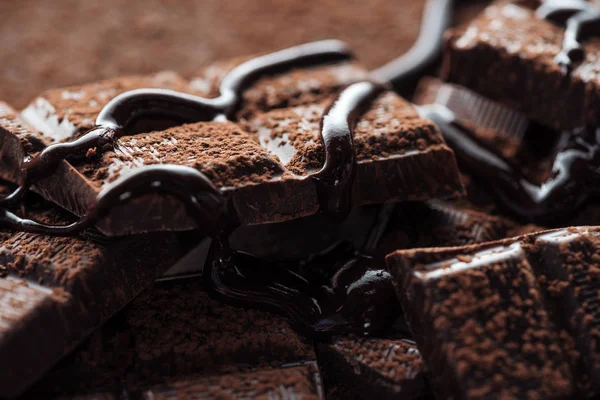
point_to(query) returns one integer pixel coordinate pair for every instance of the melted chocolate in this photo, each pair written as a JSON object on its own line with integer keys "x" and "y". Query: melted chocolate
{"x": 340, "y": 290}
{"x": 122, "y": 113}
{"x": 581, "y": 19}
{"x": 574, "y": 174}
{"x": 203, "y": 200}
{"x": 426, "y": 49}
{"x": 335, "y": 178}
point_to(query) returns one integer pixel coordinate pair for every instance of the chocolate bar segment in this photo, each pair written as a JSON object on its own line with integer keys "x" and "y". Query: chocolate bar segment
{"x": 188, "y": 333}
{"x": 397, "y": 152}
{"x": 361, "y": 368}
{"x": 392, "y": 145}
{"x": 509, "y": 54}
{"x": 299, "y": 86}
{"x": 171, "y": 331}
{"x": 569, "y": 260}
{"x": 17, "y": 141}
{"x": 55, "y": 290}
{"x": 480, "y": 321}
{"x": 297, "y": 382}
{"x": 66, "y": 113}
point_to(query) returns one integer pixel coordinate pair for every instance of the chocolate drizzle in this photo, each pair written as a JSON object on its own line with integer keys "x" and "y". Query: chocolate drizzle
{"x": 425, "y": 51}
{"x": 203, "y": 200}
{"x": 120, "y": 116}
{"x": 574, "y": 173}
{"x": 581, "y": 19}
{"x": 335, "y": 178}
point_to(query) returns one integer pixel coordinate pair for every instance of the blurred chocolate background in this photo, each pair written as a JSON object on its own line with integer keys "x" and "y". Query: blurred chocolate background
{"x": 49, "y": 44}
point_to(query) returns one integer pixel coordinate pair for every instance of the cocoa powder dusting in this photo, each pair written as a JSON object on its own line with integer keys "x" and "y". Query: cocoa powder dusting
{"x": 390, "y": 127}
{"x": 222, "y": 151}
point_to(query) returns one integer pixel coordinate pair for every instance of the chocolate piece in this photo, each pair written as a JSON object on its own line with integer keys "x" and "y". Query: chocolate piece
{"x": 500, "y": 307}
{"x": 562, "y": 189}
{"x": 66, "y": 113}
{"x": 499, "y": 127}
{"x": 508, "y": 54}
{"x": 172, "y": 330}
{"x": 265, "y": 191}
{"x": 442, "y": 224}
{"x": 301, "y": 382}
{"x": 568, "y": 259}
{"x": 54, "y": 291}
{"x": 360, "y": 368}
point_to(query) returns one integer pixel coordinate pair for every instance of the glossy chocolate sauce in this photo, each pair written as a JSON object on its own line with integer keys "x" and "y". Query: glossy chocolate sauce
{"x": 341, "y": 290}
{"x": 574, "y": 172}
{"x": 428, "y": 47}
{"x": 581, "y": 20}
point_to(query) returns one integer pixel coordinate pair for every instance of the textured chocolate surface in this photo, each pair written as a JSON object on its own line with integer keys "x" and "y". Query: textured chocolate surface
{"x": 359, "y": 368}
{"x": 54, "y": 291}
{"x": 170, "y": 331}
{"x": 507, "y": 54}
{"x": 294, "y": 382}
{"x": 519, "y": 301}
{"x": 399, "y": 153}
{"x": 526, "y": 145}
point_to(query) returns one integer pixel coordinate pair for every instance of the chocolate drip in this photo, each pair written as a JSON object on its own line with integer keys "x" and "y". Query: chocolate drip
{"x": 341, "y": 290}
{"x": 127, "y": 108}
{"x": 426, "y": 49}
{"x": 335, "y": 178}
{"x": 574, "y": 173}
{"x": 582, "y": 21}
{"x": 121, "y": 114}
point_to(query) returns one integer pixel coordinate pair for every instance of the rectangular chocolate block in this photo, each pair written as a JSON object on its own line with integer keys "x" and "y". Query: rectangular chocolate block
{"x": 262, "y": 164}
{"x": 525, "y": 144}
{"x": 569, "y": 260}
{"x": 66, "y": 113}
{"x": 508, "y": 54}
{"x": 480, "y": 321}
{"x": 360, "y": 368}
{"x": 171, "y": 331}
{"x": 55, "y": 290}
{"x": 294, "y": 382}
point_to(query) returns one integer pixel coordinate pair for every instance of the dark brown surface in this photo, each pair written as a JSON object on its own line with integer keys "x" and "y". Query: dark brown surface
{"x": 121, "y": 37}
{"x": 170, "y": 331}
{"x": 400, "y": 156}
{"x": 528, "y": 293}
{"x": 294, "y": 382}
{"x": 54, "y": 291}
{"x": 360, "y": 368}
{"x": 507, "y": 54}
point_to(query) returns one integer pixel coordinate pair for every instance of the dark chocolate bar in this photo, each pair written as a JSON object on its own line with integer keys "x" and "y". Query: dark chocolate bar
{"x": 490, "y": 318}
{"x": 285, "y": 174}
{"x": 175, "y": 330}
{"x": 517, "y": 53}
{"x": 54, "y": 291}
{"x": 360, "y": 368}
